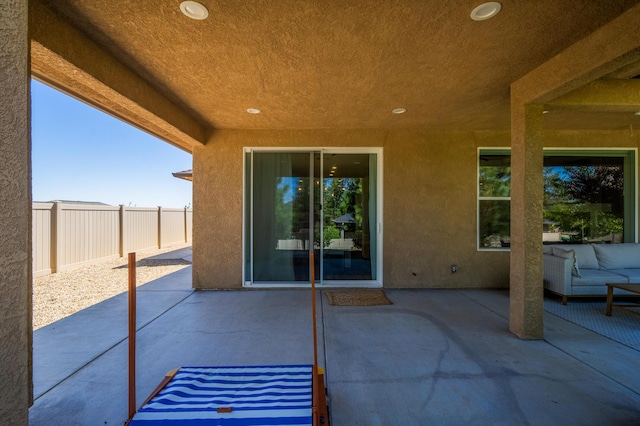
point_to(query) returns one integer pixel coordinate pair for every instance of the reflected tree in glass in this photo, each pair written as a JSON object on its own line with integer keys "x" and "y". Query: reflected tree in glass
{"x": 585, "y": 202}
{"x": 494, "y": 204}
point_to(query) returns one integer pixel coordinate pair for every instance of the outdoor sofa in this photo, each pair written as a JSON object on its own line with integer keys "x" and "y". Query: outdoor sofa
{"x": 585, "y": 269}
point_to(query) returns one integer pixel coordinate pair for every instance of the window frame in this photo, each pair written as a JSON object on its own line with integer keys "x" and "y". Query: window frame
{"x": 479, "y": 198}
{"x": 248, "y": 213}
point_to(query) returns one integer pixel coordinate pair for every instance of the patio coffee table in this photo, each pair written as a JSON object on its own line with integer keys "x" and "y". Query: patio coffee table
{"x": 633, "y": 288}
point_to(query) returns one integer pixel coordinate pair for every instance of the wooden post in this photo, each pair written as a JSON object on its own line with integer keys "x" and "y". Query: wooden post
{"x": 132, "y": 334}
{"x": 319, "y": 412}
{"x": 313, "y": 310}
{"x": 314, "y": 409}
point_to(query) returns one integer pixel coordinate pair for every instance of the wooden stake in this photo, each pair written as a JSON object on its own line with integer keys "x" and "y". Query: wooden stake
{"x": 319, "y": 411}
{"x": 314, "y": 409}
{"x": 313, "y": 310}
{"x": 132, "y": 334}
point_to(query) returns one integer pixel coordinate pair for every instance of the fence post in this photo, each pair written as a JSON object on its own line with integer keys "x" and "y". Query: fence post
{"x": 122, "y": 246}
{"x": 159, "y": 227}
{"x": 185, "y": 225}
{"x": 57, "y": 235}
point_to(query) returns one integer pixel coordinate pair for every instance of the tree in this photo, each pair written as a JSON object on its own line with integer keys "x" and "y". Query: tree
{"x": 300, "y": 205}
{"x": 495, "y": 181}
{"x": 330, "y": 233}
{"x": 585, "y": 201}
{"x": 282, "y": 211}
{"x": 596, "y": 184}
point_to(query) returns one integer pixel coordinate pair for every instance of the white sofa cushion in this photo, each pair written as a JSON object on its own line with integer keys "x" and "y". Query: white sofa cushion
{"x": 597, "y": 277}
{"x": 618, "y": 256}
{"x": 633, "y": 275}
{"x": 568, "y": 254}
{"x": 585, "y": 255}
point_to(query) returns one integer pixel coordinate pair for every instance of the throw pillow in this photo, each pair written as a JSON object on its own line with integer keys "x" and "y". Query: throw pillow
{"x": 585, "y": 255}
{"x": 568, "y": 254}
{"x": 618, "y": 256}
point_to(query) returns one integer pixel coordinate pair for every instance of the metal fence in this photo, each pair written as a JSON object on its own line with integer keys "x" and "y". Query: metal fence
{"x": 67, "y": 236}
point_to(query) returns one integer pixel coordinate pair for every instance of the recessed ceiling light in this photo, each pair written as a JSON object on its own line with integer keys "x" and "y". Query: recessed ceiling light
{"x": 486, "y": 11}
{"x": 399, "y": 111}
{"x": 194, "y": 10}
{"x": 253, "y": 111}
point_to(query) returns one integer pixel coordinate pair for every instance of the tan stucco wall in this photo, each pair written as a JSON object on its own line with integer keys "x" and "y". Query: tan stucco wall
{"x": 429, "y": 193}
{"x": 15, "y": 216}
{"x": 430, "y": 212}
{"x": 429, "y": 207}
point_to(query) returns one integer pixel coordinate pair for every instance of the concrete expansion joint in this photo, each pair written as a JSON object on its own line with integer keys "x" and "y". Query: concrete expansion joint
{"x": 592, "y": 367}
{"x": 105, "y": 351}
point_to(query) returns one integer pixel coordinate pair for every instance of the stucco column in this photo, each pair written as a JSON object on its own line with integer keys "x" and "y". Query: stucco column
{"x": 526, "y": 289}
{"x": 15, "y": 215}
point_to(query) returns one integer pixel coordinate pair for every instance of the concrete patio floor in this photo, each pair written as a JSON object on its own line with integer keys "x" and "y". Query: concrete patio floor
{"x": 434, "y": 357}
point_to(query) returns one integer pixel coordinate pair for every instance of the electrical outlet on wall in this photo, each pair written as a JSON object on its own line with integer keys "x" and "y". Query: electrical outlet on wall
{"x": 454, "y": 269}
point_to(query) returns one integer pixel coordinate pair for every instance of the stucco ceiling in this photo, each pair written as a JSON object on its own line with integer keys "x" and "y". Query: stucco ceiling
{"x": 309, "y": 64}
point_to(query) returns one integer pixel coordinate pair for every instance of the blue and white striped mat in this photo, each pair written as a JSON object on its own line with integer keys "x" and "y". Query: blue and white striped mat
{"x": 232, "y": 396}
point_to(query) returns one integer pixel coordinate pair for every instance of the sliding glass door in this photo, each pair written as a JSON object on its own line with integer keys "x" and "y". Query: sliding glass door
{"x": 325, "y": 201}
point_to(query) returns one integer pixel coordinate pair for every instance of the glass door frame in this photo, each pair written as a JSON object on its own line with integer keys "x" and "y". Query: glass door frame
{"x": 247, "y": 215}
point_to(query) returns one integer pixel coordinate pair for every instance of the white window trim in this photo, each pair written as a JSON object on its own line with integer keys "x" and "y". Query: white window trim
{"x": 479, "y": 198}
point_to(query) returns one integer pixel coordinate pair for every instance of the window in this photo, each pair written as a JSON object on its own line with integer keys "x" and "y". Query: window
{"x": 589, "y": 196}
{"x": 494, "y": 199}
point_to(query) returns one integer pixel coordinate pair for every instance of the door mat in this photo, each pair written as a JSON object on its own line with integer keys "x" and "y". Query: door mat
{"x": 357, "y": 297}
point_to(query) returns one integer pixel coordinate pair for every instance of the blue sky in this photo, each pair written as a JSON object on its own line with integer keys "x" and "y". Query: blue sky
{"x": 80, "y": 153}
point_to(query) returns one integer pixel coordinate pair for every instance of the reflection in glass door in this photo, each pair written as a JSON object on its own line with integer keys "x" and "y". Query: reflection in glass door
{"x": 298, "y": 201}
{"x": 349, "y": 217}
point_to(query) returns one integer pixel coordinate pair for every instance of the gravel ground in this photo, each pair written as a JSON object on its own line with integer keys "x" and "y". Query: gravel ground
{"x": 59, "y": 295}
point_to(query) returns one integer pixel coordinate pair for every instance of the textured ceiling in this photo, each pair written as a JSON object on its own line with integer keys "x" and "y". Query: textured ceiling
{"x": 310, "y": 64}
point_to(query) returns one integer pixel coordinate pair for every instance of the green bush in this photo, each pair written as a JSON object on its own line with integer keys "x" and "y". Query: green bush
{"x": 330, "y": 233}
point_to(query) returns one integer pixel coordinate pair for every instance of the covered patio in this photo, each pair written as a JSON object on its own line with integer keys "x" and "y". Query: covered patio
{"x": 432, "y": 357}
{"x": 424, "y": 84}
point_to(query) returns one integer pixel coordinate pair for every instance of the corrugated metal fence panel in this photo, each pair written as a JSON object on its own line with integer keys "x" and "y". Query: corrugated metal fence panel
{"x": 41, "y": 246}
{"x": 140, "y": 228}
{"x": 88, "y": 233}
{"x": 189, "y": 219}
{"x": 172, "y": 226}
